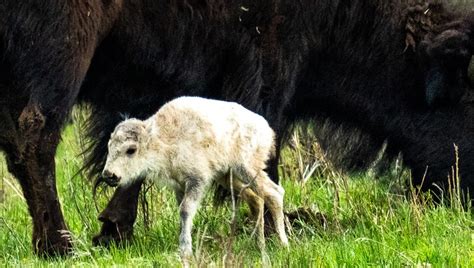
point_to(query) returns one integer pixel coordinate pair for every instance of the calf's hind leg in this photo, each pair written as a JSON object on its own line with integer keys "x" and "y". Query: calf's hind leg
{"x": 272, "y": 194}
{"x": 256, "y": 204}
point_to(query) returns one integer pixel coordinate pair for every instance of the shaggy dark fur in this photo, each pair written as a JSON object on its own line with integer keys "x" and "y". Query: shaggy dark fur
{"x": 394, "y": 70}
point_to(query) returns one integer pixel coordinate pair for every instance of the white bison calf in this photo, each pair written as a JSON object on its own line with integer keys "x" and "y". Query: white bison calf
{"x": 191, "y": 142}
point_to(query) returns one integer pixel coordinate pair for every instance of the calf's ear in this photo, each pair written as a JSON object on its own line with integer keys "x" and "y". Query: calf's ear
{"x": 446, "y": 58}
{"x": 150, "y": 130}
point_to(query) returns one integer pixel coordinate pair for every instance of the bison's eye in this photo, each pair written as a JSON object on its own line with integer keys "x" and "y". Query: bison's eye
{"x": 131, "y": 151}
{"x": 470, "y": 71}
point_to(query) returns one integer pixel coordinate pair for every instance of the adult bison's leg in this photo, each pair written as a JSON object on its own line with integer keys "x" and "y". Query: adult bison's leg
{"x": 49, "y": 233}
{"x": 32, "y": 163}
{"x": 39, "y": 130}
{"x": 119, "y": 215}
{"x": 50, "y": 55}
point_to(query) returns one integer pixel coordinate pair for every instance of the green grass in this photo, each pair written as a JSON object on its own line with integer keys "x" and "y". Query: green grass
{"x": 369, "y": 222}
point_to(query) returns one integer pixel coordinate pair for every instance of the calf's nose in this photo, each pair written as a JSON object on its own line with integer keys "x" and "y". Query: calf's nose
{"x": 110, "y": 178}
{"x": 107, "y": 174}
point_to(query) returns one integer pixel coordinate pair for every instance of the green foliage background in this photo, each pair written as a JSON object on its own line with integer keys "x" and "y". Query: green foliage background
{"x": 369, "y": 220}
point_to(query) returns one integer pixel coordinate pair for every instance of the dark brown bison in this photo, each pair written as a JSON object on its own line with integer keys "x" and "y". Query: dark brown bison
{"x": 394, "y": 70}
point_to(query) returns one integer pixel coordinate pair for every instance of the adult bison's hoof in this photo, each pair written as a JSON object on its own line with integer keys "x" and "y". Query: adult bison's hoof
{"x": 54, "y": 245}
{"x": 306, "y": 216}
{"x": 112, "y": 233}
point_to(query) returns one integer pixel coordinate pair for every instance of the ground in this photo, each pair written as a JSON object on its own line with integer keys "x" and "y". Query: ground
{"x": 368, "y": 220}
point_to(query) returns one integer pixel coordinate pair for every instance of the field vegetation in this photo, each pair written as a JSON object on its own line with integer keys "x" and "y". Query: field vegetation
{"x": 336, "y": 220}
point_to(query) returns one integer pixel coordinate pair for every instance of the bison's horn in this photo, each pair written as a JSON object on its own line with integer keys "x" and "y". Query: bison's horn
{"x": 471, "y": 71}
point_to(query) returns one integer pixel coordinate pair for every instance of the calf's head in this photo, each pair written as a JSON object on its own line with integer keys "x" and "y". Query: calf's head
{"x": 126, "y": 158}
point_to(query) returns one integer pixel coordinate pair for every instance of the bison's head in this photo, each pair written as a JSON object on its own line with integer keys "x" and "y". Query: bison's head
{"x": 447, "y": 56}
{"x": 126, "y": 159}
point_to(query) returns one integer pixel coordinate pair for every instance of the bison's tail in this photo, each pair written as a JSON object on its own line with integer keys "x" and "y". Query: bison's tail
{"x": 98, "y": 125}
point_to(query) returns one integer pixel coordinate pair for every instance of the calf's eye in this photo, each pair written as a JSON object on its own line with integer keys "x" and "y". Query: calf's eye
{"x": 131, "y": 150}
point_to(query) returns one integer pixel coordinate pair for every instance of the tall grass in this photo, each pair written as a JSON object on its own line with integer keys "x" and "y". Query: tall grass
{"x": 359, "y": 220}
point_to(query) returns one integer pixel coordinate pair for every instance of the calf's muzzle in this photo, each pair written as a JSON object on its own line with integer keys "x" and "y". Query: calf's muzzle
{"x": 110, "y": 178}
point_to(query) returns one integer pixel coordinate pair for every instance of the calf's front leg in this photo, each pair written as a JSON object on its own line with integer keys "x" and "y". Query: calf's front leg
{"x": 193, "y": 193}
